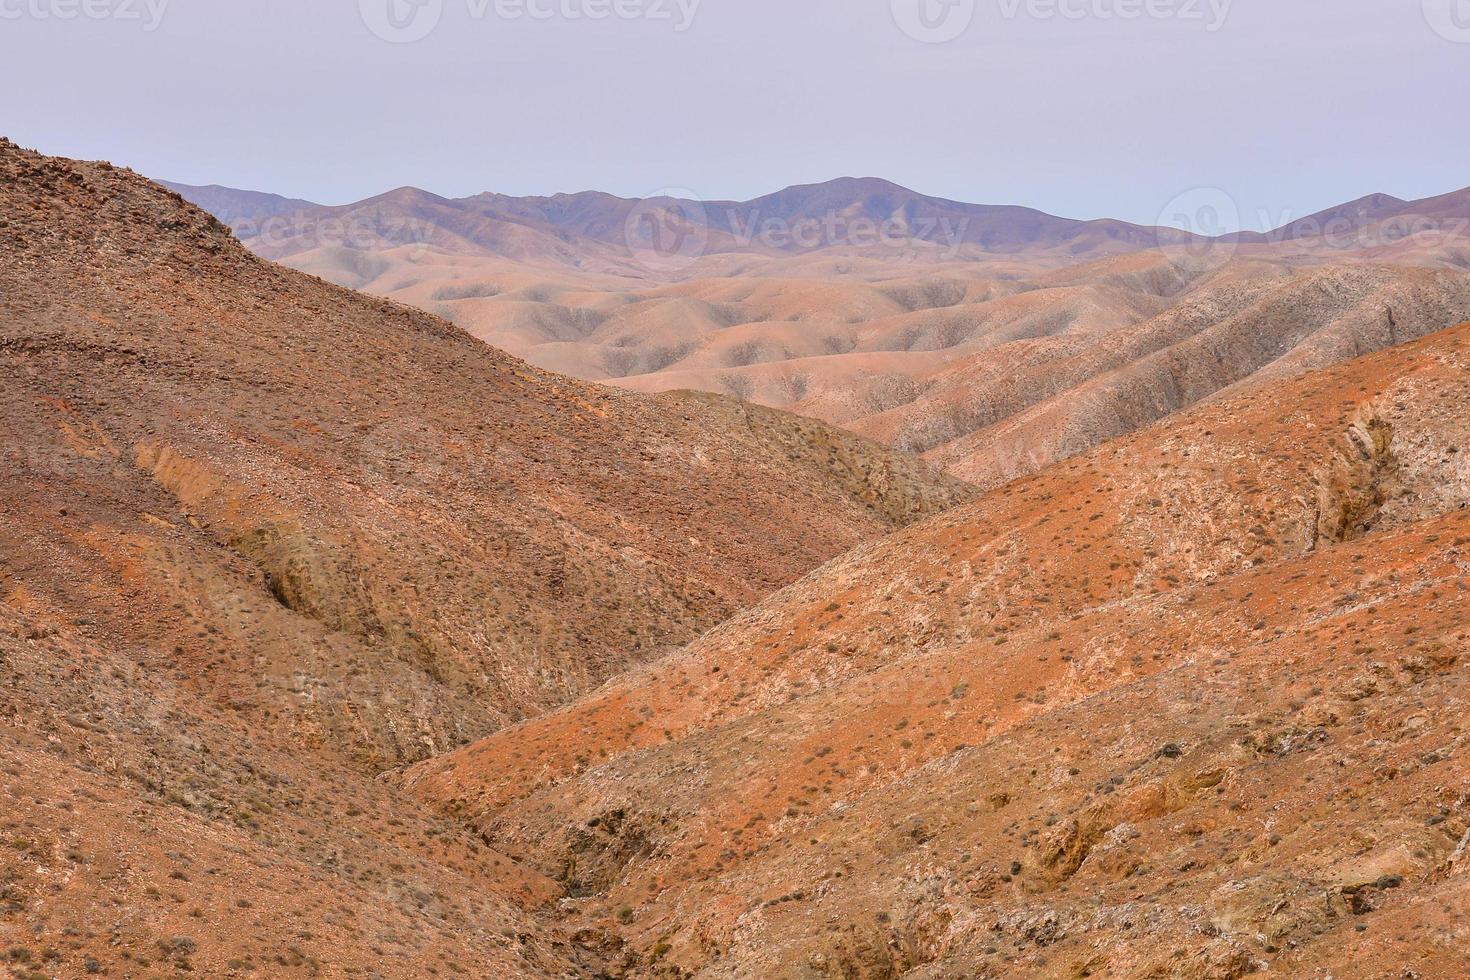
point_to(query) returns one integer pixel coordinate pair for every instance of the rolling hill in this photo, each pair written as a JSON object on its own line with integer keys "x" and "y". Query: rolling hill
{"x": 1022, "y": 340}
{"x": 1189, "y": 705}
{"x": 336, "y": 642}
{"x": 264, "y": 538}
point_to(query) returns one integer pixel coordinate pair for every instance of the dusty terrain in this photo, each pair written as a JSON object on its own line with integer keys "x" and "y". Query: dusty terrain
{"x": 336, "y": 643}
{"x": 993, "y": 340}
{"x": 264, "y": 537}
{"x": 1190, "y": 705}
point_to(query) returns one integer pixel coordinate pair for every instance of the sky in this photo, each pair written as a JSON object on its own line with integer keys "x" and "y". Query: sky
{"x": 1083, "y": 108}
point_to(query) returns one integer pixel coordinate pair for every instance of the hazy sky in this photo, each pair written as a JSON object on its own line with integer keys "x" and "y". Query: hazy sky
{"x": 1084, "y": 108}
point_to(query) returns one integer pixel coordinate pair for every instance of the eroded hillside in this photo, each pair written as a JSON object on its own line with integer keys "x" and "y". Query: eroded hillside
{"x": 1190, "y": 705}
{"x": 263, "y": 537}
{"x": 504, "y": 537}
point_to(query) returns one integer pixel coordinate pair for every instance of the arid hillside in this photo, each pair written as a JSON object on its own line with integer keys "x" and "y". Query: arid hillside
{"x": 511, "y": 536}
{"x": 264, "y": 537}
{"x": 1192, "y": 704}
{"x": 1005, "y": 414}
{"x": 1003, "y": 341}
{"x": 998, "y": 387}
{"x": 334, "y": 642}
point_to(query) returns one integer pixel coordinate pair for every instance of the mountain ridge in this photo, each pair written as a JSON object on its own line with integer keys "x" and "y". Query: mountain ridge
{"x": 817, "y": 199}
{"x": 232, "y": 205}
{"x": 847, "y": 207}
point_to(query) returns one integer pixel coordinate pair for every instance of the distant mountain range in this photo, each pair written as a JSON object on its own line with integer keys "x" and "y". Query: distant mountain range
{"x": 993, "y": 340}
{"x": 234, "y": 206}
{"x": 848, "y": 214}
{"x": 1447, "y": 211}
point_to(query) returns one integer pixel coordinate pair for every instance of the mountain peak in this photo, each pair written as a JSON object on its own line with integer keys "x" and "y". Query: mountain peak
{"x": 862, "y": 185}
{"x": 234, "y": 206}
{"x": 407, "y": 195}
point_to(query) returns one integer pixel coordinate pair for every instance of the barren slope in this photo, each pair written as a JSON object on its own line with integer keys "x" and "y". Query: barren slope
{"x": 1188, "y": 705}
{"x": 1016, "y": 419}
{"x": 263, "y": 537}
{"x": 512, "y": 535}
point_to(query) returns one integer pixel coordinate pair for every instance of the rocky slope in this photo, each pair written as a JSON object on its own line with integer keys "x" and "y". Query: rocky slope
{"x": 263, "y": 537}
{"x": 1189, "y": 705}
{"x": 1012, "y": 376}
{"x": 510, "y": 537}
{"x": 1033, "y": 404}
